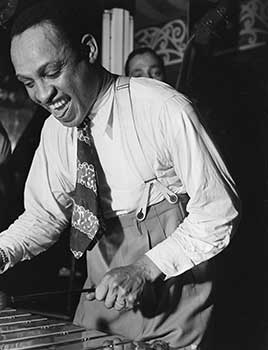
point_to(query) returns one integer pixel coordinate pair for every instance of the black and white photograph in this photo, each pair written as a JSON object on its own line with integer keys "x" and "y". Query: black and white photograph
{"x": 134, "y": 174}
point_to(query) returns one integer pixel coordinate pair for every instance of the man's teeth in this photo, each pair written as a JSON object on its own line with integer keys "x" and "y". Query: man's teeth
{"x": 58, "y": 104}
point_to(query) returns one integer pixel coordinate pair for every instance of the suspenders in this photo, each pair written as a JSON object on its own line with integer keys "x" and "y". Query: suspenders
{"x": 136, "y": 152}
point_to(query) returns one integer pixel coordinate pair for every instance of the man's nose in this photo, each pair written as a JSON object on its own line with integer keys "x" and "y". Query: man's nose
{"x": 44, "y": 93}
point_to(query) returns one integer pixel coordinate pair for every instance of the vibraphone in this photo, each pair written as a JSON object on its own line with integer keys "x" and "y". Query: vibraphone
{"x": 25, "y": 330}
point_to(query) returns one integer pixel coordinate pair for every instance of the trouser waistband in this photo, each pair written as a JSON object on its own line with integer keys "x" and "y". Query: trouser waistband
{"x": 152, "y": 211}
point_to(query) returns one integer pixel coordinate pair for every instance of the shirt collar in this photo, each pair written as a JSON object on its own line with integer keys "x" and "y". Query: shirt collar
{"x": 101, "y": 114}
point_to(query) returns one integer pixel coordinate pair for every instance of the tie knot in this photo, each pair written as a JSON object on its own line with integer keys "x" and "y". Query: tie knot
{"x": 85, "y": 125}
{"x": 84, "y": 132}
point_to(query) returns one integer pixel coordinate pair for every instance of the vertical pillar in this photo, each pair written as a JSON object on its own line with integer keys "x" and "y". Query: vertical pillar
{"x": 117, "y": 39}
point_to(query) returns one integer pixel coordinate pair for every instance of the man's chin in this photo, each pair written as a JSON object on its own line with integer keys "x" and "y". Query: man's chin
{"x": 70, "y": 123}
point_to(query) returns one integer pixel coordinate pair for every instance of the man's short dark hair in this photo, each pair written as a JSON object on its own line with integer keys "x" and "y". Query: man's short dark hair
{"x": 141, "y": 51}
{"x": 60, "y": 13}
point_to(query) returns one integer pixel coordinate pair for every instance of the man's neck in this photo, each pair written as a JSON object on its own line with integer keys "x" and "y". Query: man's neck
{"x": 107, "y": 79}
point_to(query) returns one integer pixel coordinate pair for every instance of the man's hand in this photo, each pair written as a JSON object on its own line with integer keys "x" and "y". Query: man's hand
{"x": 121, "y": 287}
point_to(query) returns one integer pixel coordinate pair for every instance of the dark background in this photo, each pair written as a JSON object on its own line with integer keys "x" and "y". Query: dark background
{"x": 230, "y": 88}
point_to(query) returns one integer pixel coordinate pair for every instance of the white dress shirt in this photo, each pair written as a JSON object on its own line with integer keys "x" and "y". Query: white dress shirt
{"x": 179, "y": 152}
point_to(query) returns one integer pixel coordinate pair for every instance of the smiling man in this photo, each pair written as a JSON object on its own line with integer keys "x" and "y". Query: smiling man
{"x": 61, "y": 82}
{"x": 129, "y": 164}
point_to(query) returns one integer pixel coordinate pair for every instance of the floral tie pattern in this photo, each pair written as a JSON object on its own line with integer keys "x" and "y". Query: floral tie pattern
{"x": 85, "y": 223}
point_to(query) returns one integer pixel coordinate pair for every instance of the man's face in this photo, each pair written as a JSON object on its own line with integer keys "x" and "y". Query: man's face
{"x": 53, "y": 76}
{"x": 145, "y": 65}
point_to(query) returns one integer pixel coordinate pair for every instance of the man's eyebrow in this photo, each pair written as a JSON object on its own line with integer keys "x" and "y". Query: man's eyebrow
{"x": 42, "y": 69}
{"x": 54, "y": 64}
{"x": 22, "y": 77}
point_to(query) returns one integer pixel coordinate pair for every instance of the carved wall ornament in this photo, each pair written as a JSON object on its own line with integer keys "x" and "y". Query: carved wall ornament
{"x": 253, "y": 23}
{"x": 168, "y": 41}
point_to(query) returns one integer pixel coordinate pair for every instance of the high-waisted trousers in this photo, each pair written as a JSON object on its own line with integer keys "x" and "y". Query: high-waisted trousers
{"x": 177, "y": 310}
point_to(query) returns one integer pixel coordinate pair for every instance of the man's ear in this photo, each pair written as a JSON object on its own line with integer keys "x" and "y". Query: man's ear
{"x": 91, "y": 47}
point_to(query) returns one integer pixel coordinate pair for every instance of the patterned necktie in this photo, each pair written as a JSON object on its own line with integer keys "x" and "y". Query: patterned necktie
{"x": 86, "y": 224}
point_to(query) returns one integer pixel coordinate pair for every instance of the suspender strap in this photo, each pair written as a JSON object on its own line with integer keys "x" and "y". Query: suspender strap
{"x": 135, "y": 150}
{"x": 129, "y": 130}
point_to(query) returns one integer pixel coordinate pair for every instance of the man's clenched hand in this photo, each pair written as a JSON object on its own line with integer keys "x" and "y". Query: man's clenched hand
{"x": 121, "y": 287}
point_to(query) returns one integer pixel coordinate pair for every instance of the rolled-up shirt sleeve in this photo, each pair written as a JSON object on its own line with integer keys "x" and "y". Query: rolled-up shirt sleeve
{"x": 213, "y": 207}
{"x": 47, "y": 208}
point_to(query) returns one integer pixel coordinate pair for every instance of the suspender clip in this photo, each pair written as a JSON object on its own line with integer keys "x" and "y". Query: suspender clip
{"x": 142, "y": 208}
{"x": 170, "y": 196}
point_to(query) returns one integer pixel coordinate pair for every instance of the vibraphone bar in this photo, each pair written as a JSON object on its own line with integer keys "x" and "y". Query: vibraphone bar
{"x": 25, "y": 330}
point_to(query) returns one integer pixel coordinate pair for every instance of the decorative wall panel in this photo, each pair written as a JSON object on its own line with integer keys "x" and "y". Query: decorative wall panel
{"x": 253, "y": 23}
{"x": 168, "y": 36}
{"x": 168, "y": 41}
